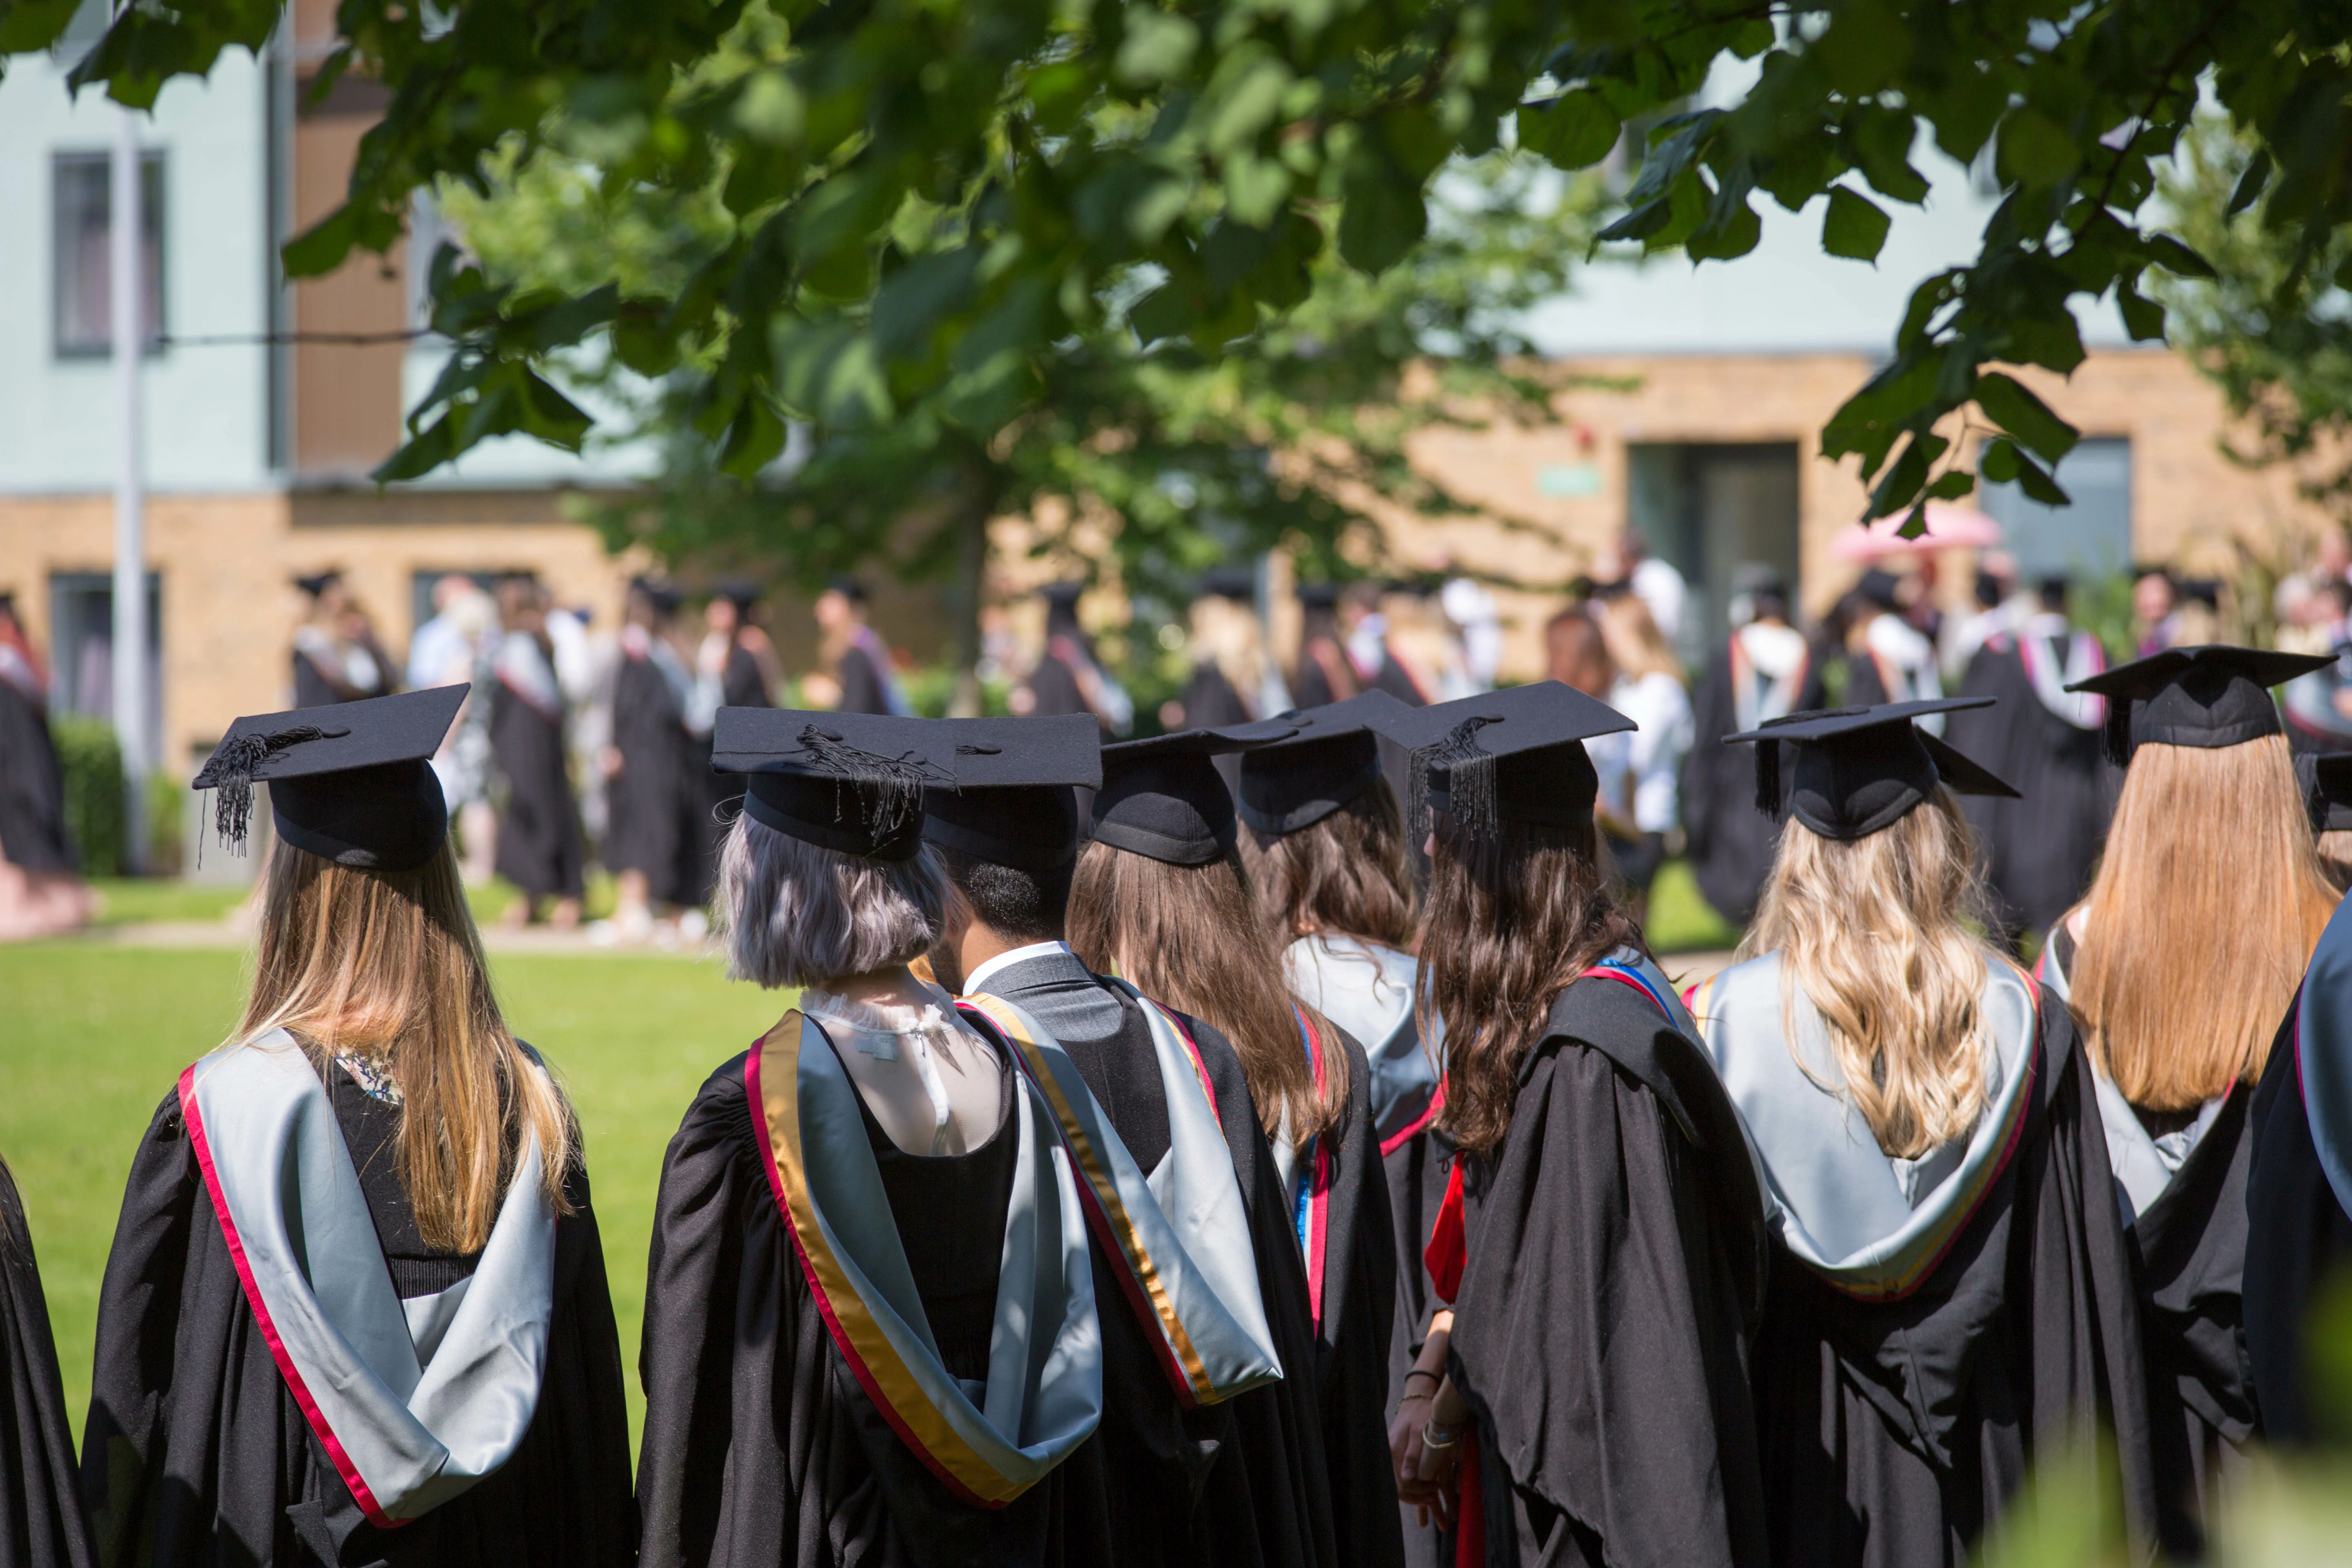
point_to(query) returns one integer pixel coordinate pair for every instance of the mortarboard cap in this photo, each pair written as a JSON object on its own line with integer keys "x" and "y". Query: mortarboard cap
{"x": 851, "y": 783}
{"x": 1881, "y": 587}
{"x": 2326, "y": 789}
{"x": 1513, "y": 755}
{"x": 1335, "y": 757}
{"x": 1859, "y": 770}
{"x": 2213, "y": 695}
{"x": 1068, "y": 592}
{"x": 1318, "y": 595}
{"x": 318, "y": 583}
{"x": 1163, "y": 798}
{"x": 1016, "y": 783}
{"x": 349, "y": 782}
{"x": 1758, "y": 577}
{"x": 1237, "y": 583}
{"x": 740, "y": 592}
{"x": 848, "y": 588}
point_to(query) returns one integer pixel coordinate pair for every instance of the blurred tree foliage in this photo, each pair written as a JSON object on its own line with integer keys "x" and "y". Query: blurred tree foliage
{"x": 927, "y": 200}
{"x": 1287, "y": 436}
{"x": 2273, "y": 326}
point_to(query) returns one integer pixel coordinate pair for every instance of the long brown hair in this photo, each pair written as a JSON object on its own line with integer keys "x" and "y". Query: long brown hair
{"x": 388, "y": 964}
{"x": 2197, "y": 927}
{"x": 1871, "y": 931}
{"x": 1513, "y": 918}
{"x": 1192, "y": 938}
{"x": 1344, "y": 876}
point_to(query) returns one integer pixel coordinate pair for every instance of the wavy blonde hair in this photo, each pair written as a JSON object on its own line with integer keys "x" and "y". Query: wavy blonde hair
{"x": 1226, "y": 634}
{"x": 2200, "y": 922}
{"x": 388, "y": 964}
{"x": 1875, "y": 933}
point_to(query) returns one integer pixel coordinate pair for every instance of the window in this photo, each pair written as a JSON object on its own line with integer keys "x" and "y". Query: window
{"x": 2090, "y": 537}
{"x": 84, "y": 273}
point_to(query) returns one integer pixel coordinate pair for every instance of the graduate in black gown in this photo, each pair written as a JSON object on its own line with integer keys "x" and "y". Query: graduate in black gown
{"x": 1882, "y": 657}
{"x": 2210, "y": 871}
{"x": 652, "y": 796}
{"x": 2043, "y": 738}
{"x": 1951, "y": 1292}
{"x": 732, "y": 667}
{"x": 871, "y": 1329}
{"x": 41, "y": 891}
{"x": 860, "y": 659}
{"x": 1238, "y": 1481}
{"x": 356, "y": 1311}
{"x": 1067, "y": 677}
{"x": 1323, "y": 675}
{"x": 2298, "y": 1192}
{"x": 41, "y": 1523}
{"x": 1323, "y": 839}
{"x": 1160, "y": 899}
{"x": 538, "y": 843}
{"x": 336, "y": 656}
{"x": 1764, "y": 672}
{"x": 1596, "y": 1238}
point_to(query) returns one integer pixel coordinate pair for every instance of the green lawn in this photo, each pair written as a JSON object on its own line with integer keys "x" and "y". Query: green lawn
{"x": 1681, "y": 920}
{"x": 95, "y": 1036}
{"x": 138, "y": 901}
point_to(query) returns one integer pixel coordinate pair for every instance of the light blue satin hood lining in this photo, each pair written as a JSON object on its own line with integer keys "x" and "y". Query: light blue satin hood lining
{"x": 1367, "y": 990}
{"x": 425, "y": 1397}
{"x": 1187, "y": 1218}
{"x": 1843, "y": 1205}
{"x": 2143, "y": 1166}
{"x": 1043, "y": 1395}
{"x": 2323, "y": 1043}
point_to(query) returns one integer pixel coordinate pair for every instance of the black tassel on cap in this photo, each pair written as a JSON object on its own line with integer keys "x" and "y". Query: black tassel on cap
{"x": 229, "y": 775}
{"x": 889, "y": 789}
{"x": 1768, "y": 778}
{"x": 1470, "y": 778}
{"x": 2117, "y": 732}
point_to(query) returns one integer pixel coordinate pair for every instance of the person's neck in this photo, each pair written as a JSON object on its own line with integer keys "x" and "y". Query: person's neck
{"x": 892, "y": 986}
{"x": 980, "y": 942}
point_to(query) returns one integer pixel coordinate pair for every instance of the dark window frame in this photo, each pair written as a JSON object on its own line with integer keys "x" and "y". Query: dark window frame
{"x": 154, "y": 178}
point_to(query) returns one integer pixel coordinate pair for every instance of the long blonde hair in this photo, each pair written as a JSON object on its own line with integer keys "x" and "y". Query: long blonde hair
{"x": 1872, "y": 931}
{"x": 388, "y": 964}
{"x": 2207, "y": 904}
{"x": 1192, "y": 938}
{"x": 1635, "y": 643}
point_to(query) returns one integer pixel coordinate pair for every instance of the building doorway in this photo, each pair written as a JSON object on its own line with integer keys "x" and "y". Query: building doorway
{"x": 1708, "y": 508}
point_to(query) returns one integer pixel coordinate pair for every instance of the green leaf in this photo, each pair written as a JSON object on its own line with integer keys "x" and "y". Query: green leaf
{"x": 2143, "y": 317}
{"x": 1574, "y": 130}
{"x": 2249, "y": 189}
{"x": 1854, "y": 226}
{"x": 2177, "y": 258}
{"x": 2014, "y": 406}
{"x": 1385, "y": 215}
{"x": 2036, "y": 482}
{"x": 1158, "y": 47}
{"x": 1728, "y": 238}
{"x": 1952, "y": 484}
{"x": 1998, "y": 460}
{"x": 2036, "y": 150}
{"x": 321, "y": 249}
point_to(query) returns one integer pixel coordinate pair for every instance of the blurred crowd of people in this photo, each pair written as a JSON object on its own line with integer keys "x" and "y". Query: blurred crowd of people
{"x": 591, "y": 743}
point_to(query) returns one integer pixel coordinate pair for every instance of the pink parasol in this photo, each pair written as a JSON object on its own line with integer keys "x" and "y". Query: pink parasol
{"x": 1950, "y": 526}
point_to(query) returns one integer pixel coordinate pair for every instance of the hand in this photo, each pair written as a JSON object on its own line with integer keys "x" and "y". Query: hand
{"x": 610, "y": 759}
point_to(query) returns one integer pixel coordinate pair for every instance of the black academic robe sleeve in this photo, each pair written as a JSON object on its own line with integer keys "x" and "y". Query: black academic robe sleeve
{"x": 197, "y": 1456}
{"x": 743, "y": 684}
{"x": 1896, "y": 1432}
{"x": 760, "y": 1448}
{"x": 1360, "y": 1300}
{"x": 2297, "y": 1238}
{"x": 313, "y": 687}
{"x": 41, "y": 1521}
{"x": 861, "y": 684}
{"x": 1601, "y": 1325}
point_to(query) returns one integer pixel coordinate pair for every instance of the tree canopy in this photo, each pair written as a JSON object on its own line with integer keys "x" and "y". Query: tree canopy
{"x": 923, "y": 200}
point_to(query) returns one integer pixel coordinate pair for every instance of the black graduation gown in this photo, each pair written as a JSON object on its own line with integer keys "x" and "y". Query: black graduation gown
{"x": 1415, "y": 1175}
{"x": 33, "y": 833}
{"x": 742, "y": 684}
{"x": 1352, "y": 1345}
{"x": 1615, "y": 1262}
{"x": 1246, "y": 1482}
{"x": 1054, "y": 689}
{"x": 2298, "y": 1238}
{"x": 40, "y": 1496}
{"x": 649, "y": 801}
{"x": 539, "y": 844}
{"x": 1209, "y": 700}
{"x": 862, "y": 689}
{"x": 759, "y": 1445}
{"x": 2042, "y": 849}
{"x": 312, "y": 688}
{"x": 1731, "y": 843}
{"x": 1893, "y": 1433}
{"x": 2189, "y": 1253}
{"x": 197, "y": 1456}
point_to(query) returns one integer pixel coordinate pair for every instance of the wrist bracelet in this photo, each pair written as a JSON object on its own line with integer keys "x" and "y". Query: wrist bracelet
{"x": 1430, "y": 1438}
{"x": 1422, "y": 1372}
